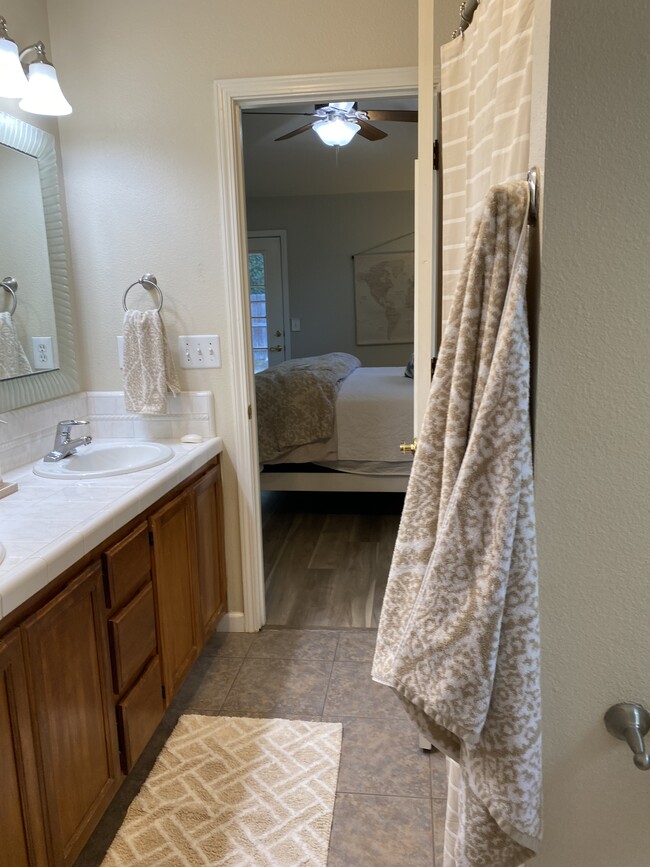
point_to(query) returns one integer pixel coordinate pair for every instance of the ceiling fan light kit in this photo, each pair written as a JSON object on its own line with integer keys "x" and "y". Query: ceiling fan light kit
{"x": 336, "y": 131}
{"x": 337, "y": 123}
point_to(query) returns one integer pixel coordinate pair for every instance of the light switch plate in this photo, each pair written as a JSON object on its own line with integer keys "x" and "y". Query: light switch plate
{"x": 199, "y": 350}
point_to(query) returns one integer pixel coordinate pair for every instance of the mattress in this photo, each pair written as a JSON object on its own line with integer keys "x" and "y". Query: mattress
{"x": 374, "y": 414}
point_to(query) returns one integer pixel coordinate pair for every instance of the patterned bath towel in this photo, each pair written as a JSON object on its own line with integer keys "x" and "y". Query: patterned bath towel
{"x": 458, "y": 637}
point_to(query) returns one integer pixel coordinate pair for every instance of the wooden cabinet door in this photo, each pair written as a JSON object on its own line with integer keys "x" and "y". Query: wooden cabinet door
{"x": 208, "y": 506}
{"x": 21, "y": 818}
{"x": 67, "y": 656}
{"x": 174, "y": 577}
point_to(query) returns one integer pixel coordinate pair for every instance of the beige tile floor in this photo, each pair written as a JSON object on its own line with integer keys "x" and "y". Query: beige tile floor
{"x": 389, "y": 808}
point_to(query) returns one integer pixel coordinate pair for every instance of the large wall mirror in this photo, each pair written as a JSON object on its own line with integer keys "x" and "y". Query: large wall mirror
{"x": 36, "y": 341}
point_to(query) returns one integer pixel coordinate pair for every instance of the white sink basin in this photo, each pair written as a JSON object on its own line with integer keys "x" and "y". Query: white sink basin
{"x": 106, "y": 458}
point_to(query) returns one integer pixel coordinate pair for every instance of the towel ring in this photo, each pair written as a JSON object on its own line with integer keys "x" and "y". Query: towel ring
{"x": 149, "y": 279}
{"x": 10, "y": 285}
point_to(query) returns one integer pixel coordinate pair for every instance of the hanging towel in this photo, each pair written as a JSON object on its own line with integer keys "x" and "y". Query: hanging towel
{"x": 458, "y": 635}
{"x": 13, "y": 361}
{"x": 148, "y": 366}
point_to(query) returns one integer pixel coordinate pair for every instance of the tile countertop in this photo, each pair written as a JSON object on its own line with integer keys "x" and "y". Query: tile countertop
{"x": 49, "y": 524}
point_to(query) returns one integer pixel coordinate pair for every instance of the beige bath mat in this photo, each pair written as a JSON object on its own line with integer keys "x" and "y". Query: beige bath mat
{"x": 235, "y": 791}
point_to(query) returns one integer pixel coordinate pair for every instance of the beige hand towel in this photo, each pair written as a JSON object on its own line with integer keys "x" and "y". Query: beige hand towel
{"x": 458, "y": 636}
{"x": 13, "y": 361}
{"x": 149, "y": 370}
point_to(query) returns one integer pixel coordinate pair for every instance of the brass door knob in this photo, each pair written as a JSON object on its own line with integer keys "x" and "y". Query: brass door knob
{"x": 277, "y": 348}
{"x": 409, "y": 448}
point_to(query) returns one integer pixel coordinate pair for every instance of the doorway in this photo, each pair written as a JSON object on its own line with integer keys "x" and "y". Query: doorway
{"x": 232, "y": 96}
{"x": 269, "y": 298}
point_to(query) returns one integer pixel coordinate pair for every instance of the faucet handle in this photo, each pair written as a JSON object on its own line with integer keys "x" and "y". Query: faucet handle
{"x": 70, "y": 422}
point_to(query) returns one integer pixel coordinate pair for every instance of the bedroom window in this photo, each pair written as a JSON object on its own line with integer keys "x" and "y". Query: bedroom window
{"x": 256, "y": 277}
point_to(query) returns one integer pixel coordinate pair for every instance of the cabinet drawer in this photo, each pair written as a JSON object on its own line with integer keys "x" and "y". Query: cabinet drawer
{"x": 127, "y": 565}
{"x": 139, "y": 713}
{"x": 132, "y": 632}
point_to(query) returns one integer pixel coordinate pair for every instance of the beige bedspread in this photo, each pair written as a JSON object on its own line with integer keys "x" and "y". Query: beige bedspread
{"x": 296, "y": 401}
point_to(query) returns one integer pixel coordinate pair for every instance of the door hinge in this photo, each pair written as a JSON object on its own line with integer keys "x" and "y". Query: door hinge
{"x": 250, "y": 411}
{"x": 436, "y": 155}
{"x": 150, "y": 537}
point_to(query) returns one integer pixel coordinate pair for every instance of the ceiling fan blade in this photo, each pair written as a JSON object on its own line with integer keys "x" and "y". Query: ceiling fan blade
{"x": 370, "y": 132}
{"x": 295, "y": 132}
{"x": 404, "y": 116}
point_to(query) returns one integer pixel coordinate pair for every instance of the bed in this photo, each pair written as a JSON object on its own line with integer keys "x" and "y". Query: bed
{"x": 326, "y": 423}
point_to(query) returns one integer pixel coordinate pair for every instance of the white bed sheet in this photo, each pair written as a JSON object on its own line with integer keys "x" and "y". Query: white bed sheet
{"x": 374, "y": 414}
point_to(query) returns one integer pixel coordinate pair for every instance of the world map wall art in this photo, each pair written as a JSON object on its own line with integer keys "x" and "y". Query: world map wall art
{"x": 383, "y": 291}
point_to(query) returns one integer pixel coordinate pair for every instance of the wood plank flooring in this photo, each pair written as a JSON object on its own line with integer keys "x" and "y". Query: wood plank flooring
{"x": 327, "y": 556}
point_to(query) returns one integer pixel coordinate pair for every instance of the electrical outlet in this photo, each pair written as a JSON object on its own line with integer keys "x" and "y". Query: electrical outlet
{"x": 199, "y": 350}
{"x": 43, "y": 351}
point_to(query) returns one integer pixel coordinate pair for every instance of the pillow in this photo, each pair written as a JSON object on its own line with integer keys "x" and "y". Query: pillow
{"x": 408, "y": 370}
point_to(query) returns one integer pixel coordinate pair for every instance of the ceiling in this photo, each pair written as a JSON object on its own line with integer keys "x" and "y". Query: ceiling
{"x": 304, "y": 166}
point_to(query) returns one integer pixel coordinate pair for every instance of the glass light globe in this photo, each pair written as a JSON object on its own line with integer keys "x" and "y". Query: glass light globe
{"x": 336, "y": 132}
{"x": 44, "y": 95}
{"x": 13, "y": 83}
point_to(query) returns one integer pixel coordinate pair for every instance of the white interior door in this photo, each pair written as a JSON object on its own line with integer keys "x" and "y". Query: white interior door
{"x": 268, "y": 298}
{"x": 426, "y": 219}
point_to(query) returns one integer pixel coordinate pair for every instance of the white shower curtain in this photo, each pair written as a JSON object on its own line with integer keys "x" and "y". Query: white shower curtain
{"x": 486, "y": 80}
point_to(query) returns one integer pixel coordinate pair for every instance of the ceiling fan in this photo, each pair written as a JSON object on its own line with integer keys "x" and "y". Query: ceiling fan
{"x": 336, "y": 123}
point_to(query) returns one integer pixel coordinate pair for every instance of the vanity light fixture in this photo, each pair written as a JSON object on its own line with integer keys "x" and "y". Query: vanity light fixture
{"x": 39, "y": 89}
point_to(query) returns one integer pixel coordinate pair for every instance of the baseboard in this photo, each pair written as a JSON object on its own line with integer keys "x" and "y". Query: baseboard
{"x": 232, "y": 621}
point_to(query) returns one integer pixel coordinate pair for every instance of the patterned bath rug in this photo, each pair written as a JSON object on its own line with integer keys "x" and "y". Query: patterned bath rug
{"x": 235, "y": 791}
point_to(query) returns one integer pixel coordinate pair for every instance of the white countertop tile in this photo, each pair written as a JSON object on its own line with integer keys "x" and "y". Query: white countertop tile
{"x": 49, "y": 524}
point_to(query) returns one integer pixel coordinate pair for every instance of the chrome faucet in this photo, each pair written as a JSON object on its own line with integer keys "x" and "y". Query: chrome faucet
{"x": 63, "y": 445}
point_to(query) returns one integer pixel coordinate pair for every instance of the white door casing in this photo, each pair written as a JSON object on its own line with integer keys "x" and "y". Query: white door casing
{"x": 231, "y": 96}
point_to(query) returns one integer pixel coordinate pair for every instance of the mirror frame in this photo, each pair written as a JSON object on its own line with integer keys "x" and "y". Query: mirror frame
{"x": 46, "y": 384}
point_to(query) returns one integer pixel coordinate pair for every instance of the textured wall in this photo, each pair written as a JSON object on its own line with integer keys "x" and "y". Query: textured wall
{"x": 593, "y": 417}
{"x": 323, "y": 233}
{"x": 140, "y": 154}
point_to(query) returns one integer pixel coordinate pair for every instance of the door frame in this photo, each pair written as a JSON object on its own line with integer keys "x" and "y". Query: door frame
{"x": 284, "y": 265}
{"x": 231, "y": 95}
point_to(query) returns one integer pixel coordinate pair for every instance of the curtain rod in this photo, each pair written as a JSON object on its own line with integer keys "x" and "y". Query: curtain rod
{"x": 467, "y": 10}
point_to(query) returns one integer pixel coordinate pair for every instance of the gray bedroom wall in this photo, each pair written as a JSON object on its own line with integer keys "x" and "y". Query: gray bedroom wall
{"x": 323, "y": 234}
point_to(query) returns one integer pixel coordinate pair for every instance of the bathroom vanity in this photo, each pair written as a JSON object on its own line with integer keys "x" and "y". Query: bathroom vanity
{"x": 91, "y": 659}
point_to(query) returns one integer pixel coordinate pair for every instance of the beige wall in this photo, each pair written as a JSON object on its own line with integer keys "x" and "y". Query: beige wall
{"x": 140, "y": 157}
{"x": 323, "y": 235}
{"x": 593, "y": 417}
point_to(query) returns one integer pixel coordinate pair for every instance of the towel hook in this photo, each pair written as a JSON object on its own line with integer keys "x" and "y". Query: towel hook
{"x": 10, "y": 285}
{"x": 149, "y": 282}
{"x": 630, "y": 722}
